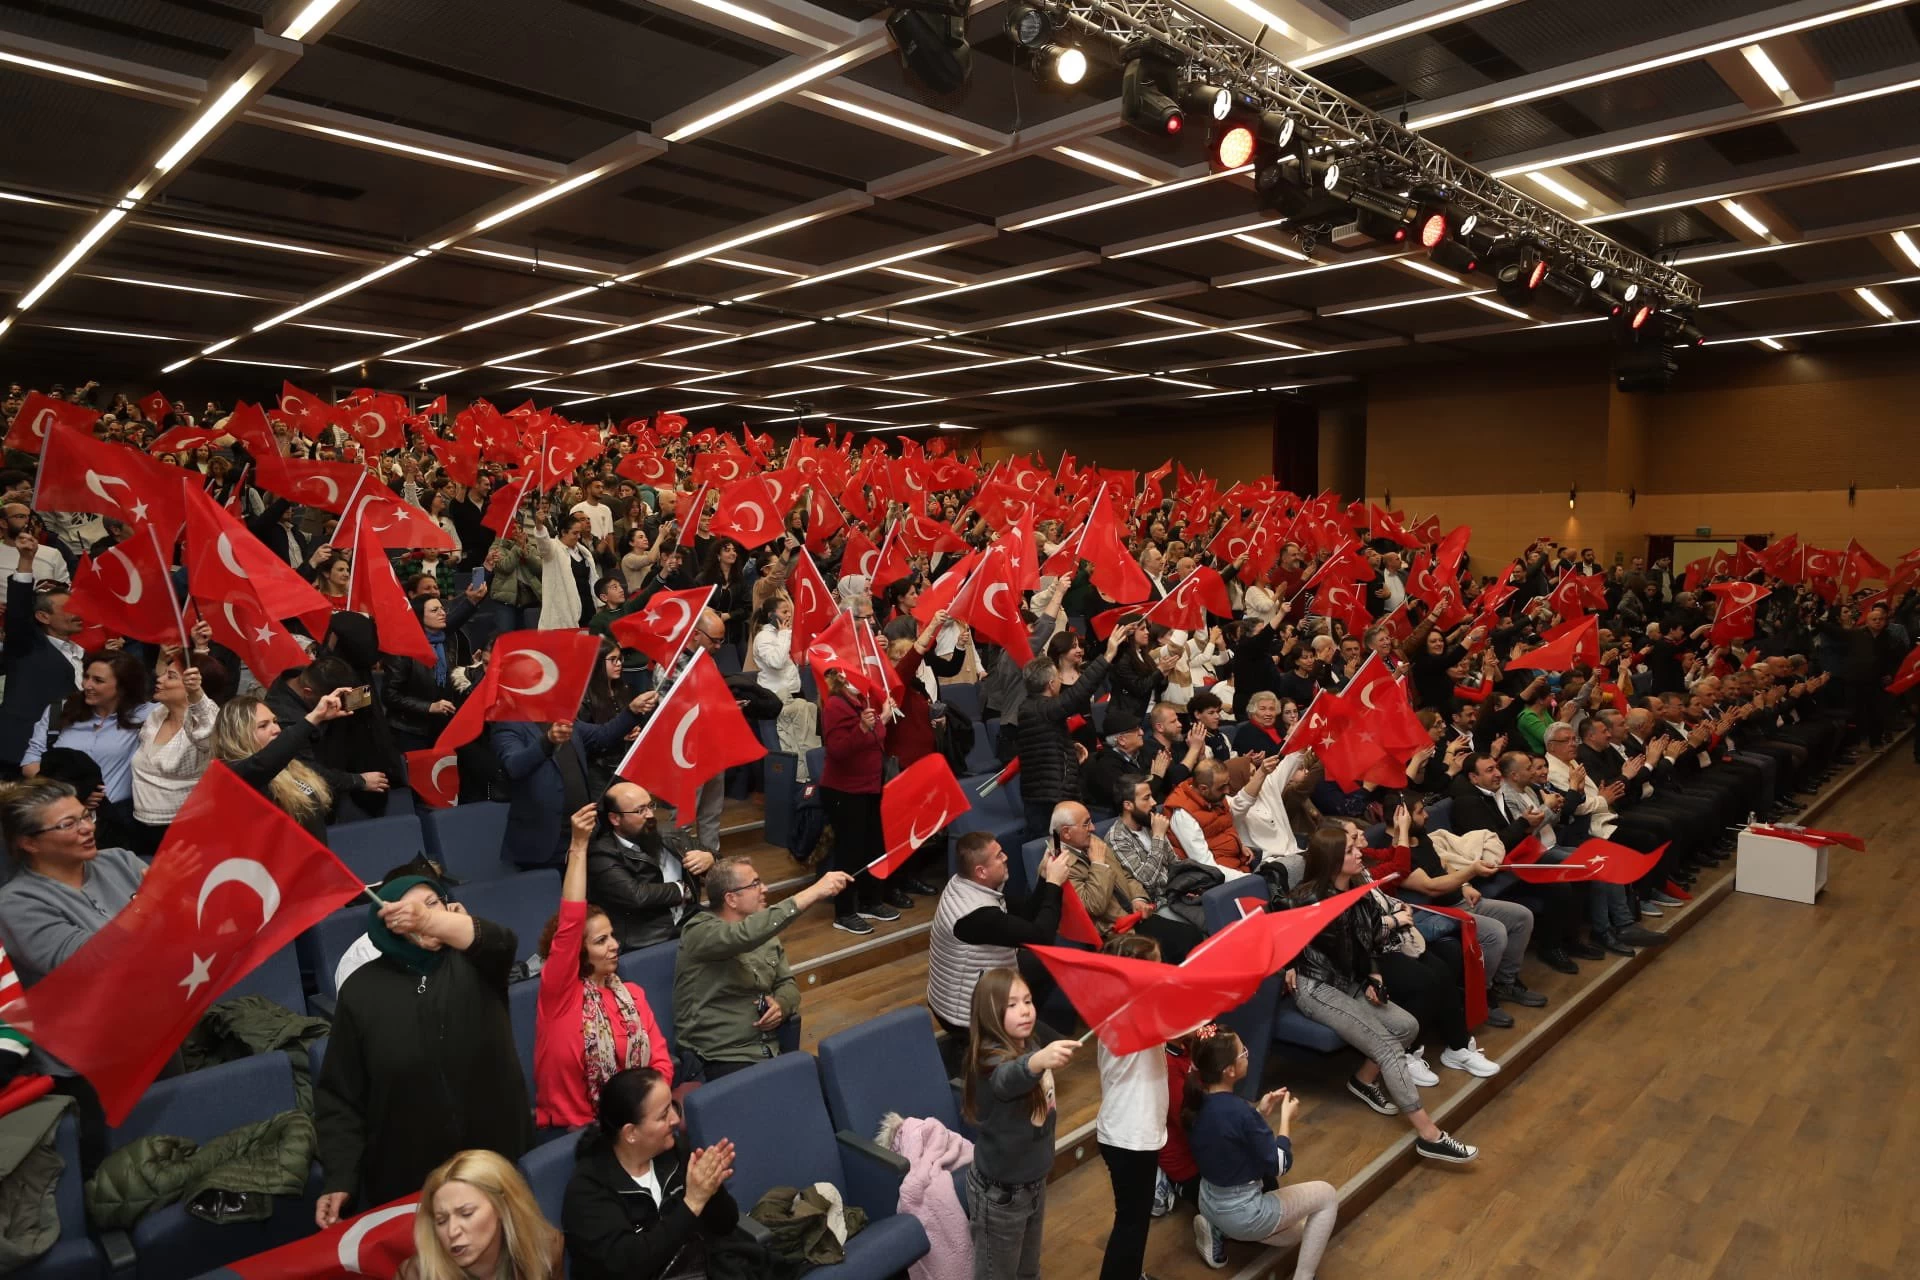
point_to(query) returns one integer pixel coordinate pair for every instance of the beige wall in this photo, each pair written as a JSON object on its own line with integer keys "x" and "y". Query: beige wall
{"x": 1233, "y": 448}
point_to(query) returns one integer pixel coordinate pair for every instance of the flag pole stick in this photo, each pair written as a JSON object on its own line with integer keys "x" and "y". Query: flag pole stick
{"x": 1083, "y": 1039}
{"x": 173, "y": 598}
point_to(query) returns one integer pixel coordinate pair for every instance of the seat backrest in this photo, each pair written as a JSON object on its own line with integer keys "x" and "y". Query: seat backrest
{"x": 1376, "y": 836}
{"x": 374, "y": 846}
{"x": 467, "y": 838}
{"x": 651, "y": 969}
{"x": 1253, "y": 1023}
{"x": 277, "y": 978}
{"x": 778, "y": 1122}
{"x": 69, "y": 1200}
{"x": 1032, "y": 853}
{"x": 888, "y": 1063}
{"x": 1440, "y": 814}
{"x": 963, "y": 699}
{"x": 207, "y": 1103}
{"x": 984, "y": 755}
{"x": 523, "y": 902}
{"x": 1220, "y": 905}
{"x": 523, "y": 1010}
{"x": 816, "y": 763}
{"x": 727, "y": 659}
{"x": 548, "y": 1168}
{"x": 331, "y": 938}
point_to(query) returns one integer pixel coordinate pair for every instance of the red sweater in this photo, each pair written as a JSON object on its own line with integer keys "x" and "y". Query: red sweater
{"x": 856, "y": 758}
{"x": 911, "y": 736}
{"x": 559, "y": 1056}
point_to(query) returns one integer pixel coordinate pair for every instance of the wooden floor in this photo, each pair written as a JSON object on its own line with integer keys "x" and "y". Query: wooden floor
{"x": 1748, "y": 1105}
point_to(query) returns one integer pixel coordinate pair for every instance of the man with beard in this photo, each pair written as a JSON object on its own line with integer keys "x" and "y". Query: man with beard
{"x": 647, "y": 878}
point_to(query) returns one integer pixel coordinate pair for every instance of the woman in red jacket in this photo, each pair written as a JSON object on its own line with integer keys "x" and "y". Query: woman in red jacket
{"x": 854, "y": 733}
{"x": 910, "y": 736}
{"x": 591, "y": 1024}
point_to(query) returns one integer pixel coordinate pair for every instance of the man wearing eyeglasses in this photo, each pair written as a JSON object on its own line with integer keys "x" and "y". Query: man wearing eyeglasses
{"x": 732, "y": 988}
{"x": 647, "y": 879}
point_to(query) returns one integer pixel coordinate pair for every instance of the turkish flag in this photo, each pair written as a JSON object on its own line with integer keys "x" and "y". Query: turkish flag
{"x": 1138, "y": 1004}
{"x": 915, "y": 806}
{"x": 1473, "y": 961}
{"x": 1812, "y": 836}
{"x": 841, "y": 646}
{"x": 1908, "y": 675}
{"x": 858, "y": 555}
{"x": 40, "y": 411}
{"x": 695, "y": 733}
{"x": 1739, "y": 595}
{"x": 80, "y": 473}
{"x": 813, "y": 606}
{"x": 155, "y": 406}
{"x": 459, "y": 458}
{"x": 542, "y": 675}
{"x": 182, "y": 440}
{"x": 326, "y": 485}
{"x": 1731, "y": 623}
{"x": 1612, "y": 863}
{"x": 824, "y": 519}
{"x": 376, "y": 421}
{"x": 891, "y": 566}
{"x": 1453, "y": 549}
{"x": 661, "y": 629}
{"x": 943, "y": 590}
{"x": 234, "y": 881}
{"x": 1381, "y": 702}
{"x": 396, "y": 525}
{"x": 434, "y": 776}
{"x": 371, "y": 1245}
{"x": 748, "y": 513}
{"x": 374, "y": 589}
{"x": 1330, "y": 729}
{"x": 1075, "y": 924}
{"x": 1345, "y": 601}
{"x": 128, "y": 590}
{"x": 924, "y": 537}
{"x": 241, "y": 623}
{"x": 1567, "y": 599}
{"x": 1116, "y": 575}
{"x": 1185, "y": 608}
{"x": 505, "y": 501}
{"x": 1564, "y": 647}
{"x": 226, "y": 564}
{"x": 305, "y": 412}
{"x": 990, "y": 604}
{"x": 724, "y": 465}
{"x": 1859, "y": 566}
{"x": 686, "y": 517}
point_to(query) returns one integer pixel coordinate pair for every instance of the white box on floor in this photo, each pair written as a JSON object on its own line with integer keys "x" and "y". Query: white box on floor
{"x": 1779, "y": 868}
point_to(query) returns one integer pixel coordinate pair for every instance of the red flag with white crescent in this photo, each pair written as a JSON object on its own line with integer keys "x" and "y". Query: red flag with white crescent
{"x": 373, "y": 1245}
{"x": 542, "y": 675}
{"x": 696, "y": 733}
{"x": 915, "y": 806}
{"x": 434, "y": 776}
{"x": 38, "y": 413}
{"x": 661, "y": 629}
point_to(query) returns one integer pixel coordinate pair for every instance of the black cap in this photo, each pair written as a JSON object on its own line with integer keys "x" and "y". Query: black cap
{"x": 1120, "y": 722}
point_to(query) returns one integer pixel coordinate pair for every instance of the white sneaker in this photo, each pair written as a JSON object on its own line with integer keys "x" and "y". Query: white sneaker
{"x": 1417, "y": 1068}
{"x": 1470, "y": 1060}
{"x": 1207, "y": 1240}
{"x": 1163, "y": 1195}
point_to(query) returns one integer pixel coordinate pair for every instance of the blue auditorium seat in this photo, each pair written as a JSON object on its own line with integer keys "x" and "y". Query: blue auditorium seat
{"x": 651, "y": 969}
{"x": 888, "y": 1063}
{"x": 547, "y": 1169}
{"x": 374, "y": 846}
{"x": 75, "y": 1255}
{"x": 466, "y": 840}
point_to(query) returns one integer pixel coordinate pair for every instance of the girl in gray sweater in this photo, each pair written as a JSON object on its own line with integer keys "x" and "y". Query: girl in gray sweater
{"x": 1008, "y": 1097}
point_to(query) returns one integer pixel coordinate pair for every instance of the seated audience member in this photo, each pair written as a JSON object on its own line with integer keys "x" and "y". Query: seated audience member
{"x": 1122, "y": 751}
{"x": 1208, "y": 712}
{"x": 176, "y": 745}
{"x": 1262, "y": 731}
{"x": 42, "y": 664}
{"x": 293, "y": 696}
{"x": 421, "y": 1062}
{"x": 548, "y": 765}
{"x": 1610, "y": 917}
{"x": 1107, "y": 891}
{"x": 1336, "y": 982}
{"x": 102, "y": 722}
{"x": 1138, "y": 837}
{"x": 1481, "y": 802}
{"x": 731, "y": 986}
{"x": 639, "y": 1205}
{"x": 478, "y": 1220}
{"x": 646, "y": 877}
{"x": 592, "y": 1023}
{"x": 1238, "y": 1155}
{"x": 1202, "y": 821}
{"x": 1265, "y": 806}
{"x": 64, "y": 886}
{"x": 974, "y": 928}
{"x": 1049, "y": 757}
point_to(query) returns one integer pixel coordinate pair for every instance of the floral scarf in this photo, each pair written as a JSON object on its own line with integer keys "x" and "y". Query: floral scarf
{"x": 596, "y": 1032}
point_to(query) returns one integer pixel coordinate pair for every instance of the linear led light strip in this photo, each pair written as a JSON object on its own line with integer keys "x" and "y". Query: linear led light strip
{"x": 1618, "y": 148}
{"x": 338, "y": 291}
{"x": 1126, "y": 198}
{"x": 175, "y": 288}
{"x": 917, "y": 299}
{"x": 1182, "y": 241}
{"x": 531, "y": 307}
{"x": 405, "y": 148}
{"x": 1403, "y": 302}
{"x": 1884, "y": 166}
{"x": 1654, "y": 64}
{"x": 629, "y": 328}
{"x": 739, "y": 106}
{"x": 1345, "y": 48}
{"x": 1293, "y": 272}
{"x": 309, "y": 17}
{"x": 837, "y": 273}
{"x": 111, "y": 333}
{"x": 1261, "y": 242}
{"x": 694, "y": 255}
{"x": 1808, "y": 333}
{"x": 1109, "y": 166}
{"x": 257, "y": 242}
{"x": 75, "y": 73}
{"x": 895, "y": 122}
{"x": 529, "y": 261}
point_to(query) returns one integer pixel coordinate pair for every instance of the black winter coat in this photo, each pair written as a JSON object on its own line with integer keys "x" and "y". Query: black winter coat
{"x": 614, "y": 1229}
{"x": 626, "y": 883}
{"x": 1049, "y": 765}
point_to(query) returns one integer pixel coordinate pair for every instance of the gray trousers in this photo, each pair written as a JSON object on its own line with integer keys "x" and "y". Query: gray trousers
{"x": 1607, "y": 909}
{"x": 707, "y": 809}
{"x": 1505, "y": 928}
{"x": 1006, "y": 1237}
{"x": 1380, "y": 1031}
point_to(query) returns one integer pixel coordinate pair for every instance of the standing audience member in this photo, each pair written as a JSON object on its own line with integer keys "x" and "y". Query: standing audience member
{"x": 1049, "y": 758}
{"x": 268, "y": 758}
{"x": 774, "y": 667}
{"x": 854, "y": 736}
{"x": 176, "y": 745}
{"x": 102, "y": 722}
{"x": 42, "y": 663}
{"x": 974, "y": 928}
{"x": 1131, "y": 1127}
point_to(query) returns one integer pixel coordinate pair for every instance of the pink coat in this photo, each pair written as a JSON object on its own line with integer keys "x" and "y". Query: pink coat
{"x": 933, "y": 1152}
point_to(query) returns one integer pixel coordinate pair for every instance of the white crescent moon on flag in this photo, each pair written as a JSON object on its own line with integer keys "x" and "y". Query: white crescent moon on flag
{"x": 39, "y": 424}
{"x": 433, "y": 776}
{"x": 679, "y": 743}
{"x": 224, "y": 546}
{"x": 686, "y": 614}
{"x": 226, "y": 607}
{"x": 380, "y": 423}
{"x": 778, "y": 488}
{"x": 1366, "y": 695}
{"x": 986, "y": 599}
{"x": 869, "y": 561}
{"x": 1021, "y": 477}
{"x": 244, "y": 871}
{"x": 136, "y": 587}
{"x": 915, "y": 839}
{"x": 759, "y": 517}
{"x": 549, "y": 674}
{"x": 807, "y": 587}
{"x": 1237, "y": 547}
{"x": 365, "y": 1225}
{"x": 98, "y": 483}
{"x": 551, "y": 464}
{"x": 291, "y": 406}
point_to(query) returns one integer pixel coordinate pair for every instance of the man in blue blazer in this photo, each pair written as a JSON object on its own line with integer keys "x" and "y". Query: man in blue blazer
{"x": 547, "y": 767}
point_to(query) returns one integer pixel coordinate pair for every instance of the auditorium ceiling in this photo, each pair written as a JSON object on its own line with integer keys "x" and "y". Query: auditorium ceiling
{"x": 746, "y": 210}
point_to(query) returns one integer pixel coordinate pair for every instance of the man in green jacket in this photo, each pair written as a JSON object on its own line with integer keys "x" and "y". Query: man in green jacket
{"x": 732, "y": 988}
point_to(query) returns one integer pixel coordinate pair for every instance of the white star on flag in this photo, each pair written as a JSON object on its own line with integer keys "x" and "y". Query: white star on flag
{"x": 265, "y": 634}
{"x": 139, "y": 510}
{"x": 202, "y": 974}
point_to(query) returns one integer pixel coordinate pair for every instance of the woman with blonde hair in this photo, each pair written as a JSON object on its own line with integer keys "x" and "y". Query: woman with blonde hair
{"x": 478, "y": 1220}
{"x": 248, "y": 738}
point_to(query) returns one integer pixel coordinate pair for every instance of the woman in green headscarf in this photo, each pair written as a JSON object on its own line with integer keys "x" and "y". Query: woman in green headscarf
{"x": 421, "y": 1063}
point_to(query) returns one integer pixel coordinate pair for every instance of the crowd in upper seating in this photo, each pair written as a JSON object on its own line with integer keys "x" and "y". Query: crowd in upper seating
{"x": 1140, "y": 765}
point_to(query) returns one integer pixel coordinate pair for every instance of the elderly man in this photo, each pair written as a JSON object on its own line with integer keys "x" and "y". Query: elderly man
{"x": 1122, "y": 751}
{"x": 648, "y": 880}
{"x": 974, "y": 929}
{"x": 1609, "y": 914}
{"x": 1106, "y": 890}
{"x": 732, "y": 988}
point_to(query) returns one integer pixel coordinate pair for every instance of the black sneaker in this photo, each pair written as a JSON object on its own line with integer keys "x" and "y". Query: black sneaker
{"x": 1517, "y": 993}
{"x": 1635, "y": 936}
{"x": 1497, "y": 1017}
{"x": 899, "y": 899}
{"x": 1445, "y": 1148}
{"x": 879, "y": 911}
{"x": 916, "y": 885}
{"x": 1373, "y": 1095}
{"x": 1557, "y": 960}
{"x": 852, "y": 924}
{"x": 1584, "y": 951}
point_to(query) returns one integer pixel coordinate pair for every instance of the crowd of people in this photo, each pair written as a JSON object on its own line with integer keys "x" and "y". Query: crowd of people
{"x": 1154, "y": 762}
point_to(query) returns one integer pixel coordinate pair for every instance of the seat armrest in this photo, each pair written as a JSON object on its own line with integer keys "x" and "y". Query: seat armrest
{"x": 873, "y": 1151}
{"x": 755, "y": 1229}
{"x": 321, "y": 1006}
{"x": 118, "y": 1246}
{"x": 873, "y": 1174}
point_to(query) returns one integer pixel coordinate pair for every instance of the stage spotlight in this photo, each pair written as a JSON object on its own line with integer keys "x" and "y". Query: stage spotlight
{"x": 1232, "y": 146}
{"x": 1380, "y": 227}
{"x": 933, "y": 47}
{"x": 1276, "y": 129}
{"x": 1480, "y": 235}
{"x": 1061, "y": 64}
{"x": 1454, "y": 256}
{"x": 1028, "y": 27}
{"x": 1571, "y": 285}
{"x": 1206, "y": 99}
{"x": 1145, "y": 104}
{"x": 1517, "y": 269}
{"x": 1433, "y": 229}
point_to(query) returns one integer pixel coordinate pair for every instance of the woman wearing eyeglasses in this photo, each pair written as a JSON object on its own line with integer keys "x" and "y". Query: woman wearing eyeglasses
{"x": 591, "y": 1024}
{"x": 65, "y": 887}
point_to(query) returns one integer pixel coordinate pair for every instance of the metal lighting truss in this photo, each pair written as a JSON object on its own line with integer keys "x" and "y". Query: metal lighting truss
{"x": 1219, "y": 56}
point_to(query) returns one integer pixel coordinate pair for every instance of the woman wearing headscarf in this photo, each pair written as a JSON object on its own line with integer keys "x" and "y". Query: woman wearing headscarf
{"x": 422, "y": 1061}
